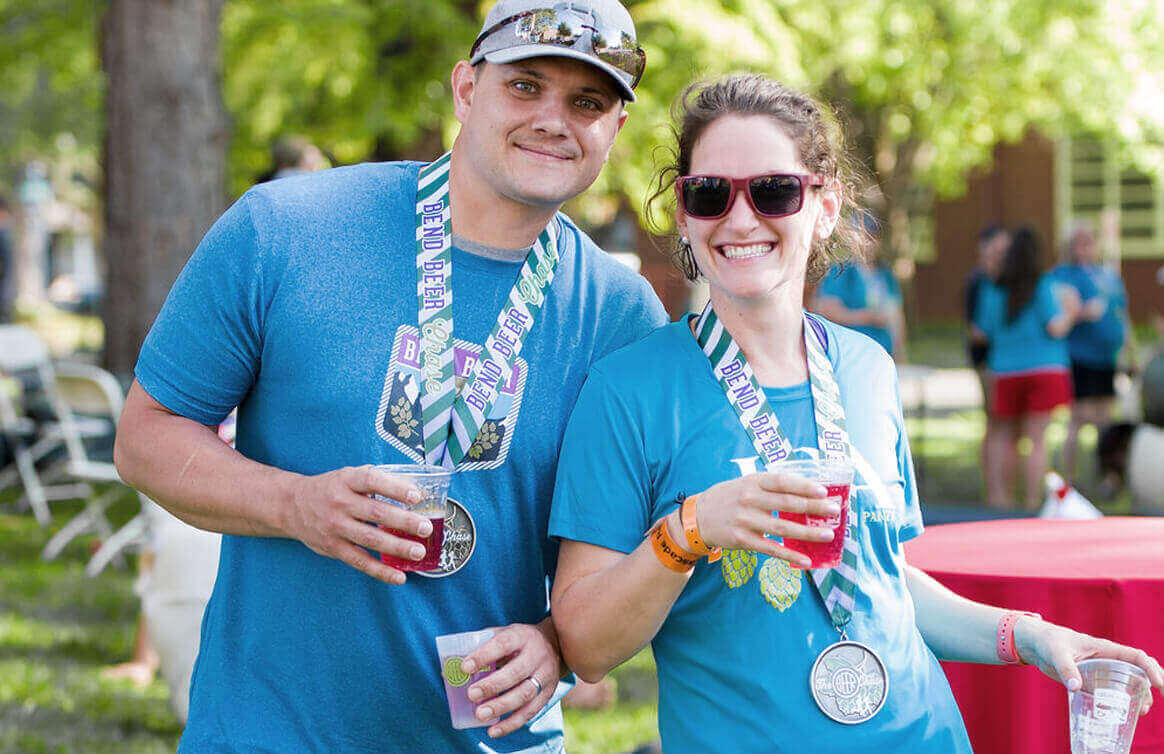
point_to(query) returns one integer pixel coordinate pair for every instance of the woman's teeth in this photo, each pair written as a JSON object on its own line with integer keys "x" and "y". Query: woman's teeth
{"x": 744, "y": 252}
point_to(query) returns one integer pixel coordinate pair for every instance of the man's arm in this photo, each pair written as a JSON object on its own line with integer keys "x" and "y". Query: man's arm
{"x": 183, "y": 466}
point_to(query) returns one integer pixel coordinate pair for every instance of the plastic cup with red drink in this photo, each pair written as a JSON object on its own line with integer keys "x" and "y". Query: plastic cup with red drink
{"x": 837, "y": 477}
{"x": 433, "y": 483}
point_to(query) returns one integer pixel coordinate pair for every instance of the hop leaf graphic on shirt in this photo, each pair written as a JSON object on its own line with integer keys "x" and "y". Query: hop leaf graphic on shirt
{"x": 737, "y": 567}
{"x": 402, "y": 417}
{"x": 487, "y": 438}
{"x": 779, "y": 583}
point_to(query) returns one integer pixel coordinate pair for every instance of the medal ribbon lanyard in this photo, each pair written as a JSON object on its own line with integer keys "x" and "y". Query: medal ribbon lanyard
{"x": 837, "y": 586}
{"x": 440, "y": 403}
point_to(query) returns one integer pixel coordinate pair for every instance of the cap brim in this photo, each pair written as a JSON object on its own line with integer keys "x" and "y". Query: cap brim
{"x": 523, "y": 52}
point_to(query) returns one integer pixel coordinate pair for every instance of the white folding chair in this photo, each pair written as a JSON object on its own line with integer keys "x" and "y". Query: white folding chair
{"x": 85, "y": 402}
{"x": 83, "y": 389}
{"x": 22, "y": 351}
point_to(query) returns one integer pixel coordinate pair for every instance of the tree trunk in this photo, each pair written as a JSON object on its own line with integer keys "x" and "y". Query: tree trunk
{"x": 165, "y": 156}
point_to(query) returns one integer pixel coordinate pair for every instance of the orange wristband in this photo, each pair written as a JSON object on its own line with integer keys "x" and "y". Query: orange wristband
{"x": 668, "y": 551}
{"x": 1005, "y": 640}
{"x": 688, "y": 515}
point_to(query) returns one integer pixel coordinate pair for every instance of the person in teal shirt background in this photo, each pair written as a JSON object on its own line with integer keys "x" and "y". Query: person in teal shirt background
{"x": 1095, "y": 342}
{"x": 865, "y": 296}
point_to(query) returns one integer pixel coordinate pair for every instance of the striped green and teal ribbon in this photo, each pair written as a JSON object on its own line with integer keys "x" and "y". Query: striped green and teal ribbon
{"x": 440, "y": 403}
{"x": 837, "y": 586}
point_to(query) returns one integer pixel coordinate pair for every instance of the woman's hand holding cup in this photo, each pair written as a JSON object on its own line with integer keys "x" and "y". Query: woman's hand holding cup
{"x": 737, "y": 514}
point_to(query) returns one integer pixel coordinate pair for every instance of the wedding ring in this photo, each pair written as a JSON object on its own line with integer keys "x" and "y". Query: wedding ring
{"x": 537, "y": 684}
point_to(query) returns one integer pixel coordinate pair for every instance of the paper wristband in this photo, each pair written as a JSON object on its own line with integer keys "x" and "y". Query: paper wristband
{"x": 689, "y": 516}
{"x": 667, "y": 550}
{"x": 1005, "y": 641}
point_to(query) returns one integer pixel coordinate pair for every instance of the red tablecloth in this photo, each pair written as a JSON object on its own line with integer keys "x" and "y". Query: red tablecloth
{"x": 1102, "y": 577}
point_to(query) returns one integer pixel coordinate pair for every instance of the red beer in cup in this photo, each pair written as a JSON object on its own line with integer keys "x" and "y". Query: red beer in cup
{"x": 836, "y": 475}
{"x": 433, "y": 483}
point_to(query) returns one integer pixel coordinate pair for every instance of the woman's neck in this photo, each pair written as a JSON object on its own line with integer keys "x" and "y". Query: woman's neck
{"x": 482, "y": 215}
{"x": 771, "y": 335}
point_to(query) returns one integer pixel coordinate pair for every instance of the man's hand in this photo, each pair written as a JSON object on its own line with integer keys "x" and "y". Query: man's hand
{"x": 331, "y": 513}
{"x": 520, "y": 652}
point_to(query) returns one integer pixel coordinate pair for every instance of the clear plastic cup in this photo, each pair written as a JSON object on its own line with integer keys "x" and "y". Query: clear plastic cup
{"x": 1105, "y": 709}
{"x": 837, "y": 477}
{"x": 452, "y": 649}
{"x": 433, "y": 483}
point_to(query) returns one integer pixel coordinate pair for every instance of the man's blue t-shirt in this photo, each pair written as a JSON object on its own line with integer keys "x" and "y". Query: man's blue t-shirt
{"x": 1096, "y": 343}
{"x": 735, "y": 652}
{"x": 861, "y": 288}
{"x": 300, "y": 307}
{"x": 1022, "y": 344}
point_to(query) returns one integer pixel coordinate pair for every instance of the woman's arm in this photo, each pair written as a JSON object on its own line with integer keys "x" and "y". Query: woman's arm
{"x": 607, "y": 605}
{"x": 961, "y": 630}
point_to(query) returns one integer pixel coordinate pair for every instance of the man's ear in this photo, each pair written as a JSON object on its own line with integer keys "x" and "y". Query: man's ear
{"x": 464, "y": 79}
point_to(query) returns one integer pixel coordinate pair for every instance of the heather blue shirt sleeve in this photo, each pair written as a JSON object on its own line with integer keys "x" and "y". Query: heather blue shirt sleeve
{"x": 202, "y": 353}
{"x": 602, "y": 492}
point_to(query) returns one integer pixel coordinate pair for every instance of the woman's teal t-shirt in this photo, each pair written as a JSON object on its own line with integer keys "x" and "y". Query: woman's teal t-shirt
{"x": 735, "y": 653}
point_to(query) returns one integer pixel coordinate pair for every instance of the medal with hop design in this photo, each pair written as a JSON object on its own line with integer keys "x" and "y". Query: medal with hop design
{"x": 453, "y": 421}
{"x": 837, "y": 586}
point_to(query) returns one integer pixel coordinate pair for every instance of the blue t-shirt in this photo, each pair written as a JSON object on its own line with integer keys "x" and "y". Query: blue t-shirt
{"x": 300, "y": 307}
{"x": 735, "y": 652}
{"x": 1096, "y": 343}
{"x": 862, "y": 289}
{"x": 1023, "y": 344}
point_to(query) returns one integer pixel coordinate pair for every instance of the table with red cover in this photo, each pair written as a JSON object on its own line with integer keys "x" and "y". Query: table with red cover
{"x": 1103, "y": 577}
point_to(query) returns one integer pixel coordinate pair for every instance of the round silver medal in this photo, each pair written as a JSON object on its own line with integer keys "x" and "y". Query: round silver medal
{"x": 849, "y": 682}
{"x": 460, "y": 541}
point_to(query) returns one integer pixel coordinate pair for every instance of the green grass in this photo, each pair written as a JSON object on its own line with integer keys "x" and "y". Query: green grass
{"x": 58, "y": 629}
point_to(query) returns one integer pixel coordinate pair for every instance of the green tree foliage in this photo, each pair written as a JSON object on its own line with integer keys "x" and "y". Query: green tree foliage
{"x": 50, "y": 82}
{"x": 363, "y": 78}
{"x": 926, "y": 87}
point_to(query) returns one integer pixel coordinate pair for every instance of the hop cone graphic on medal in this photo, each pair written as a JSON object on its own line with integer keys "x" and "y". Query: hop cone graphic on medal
{"x": 779, "y": 583}
{"x": 737, "y": 567}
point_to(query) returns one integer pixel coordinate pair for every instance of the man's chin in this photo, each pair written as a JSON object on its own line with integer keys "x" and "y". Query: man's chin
{"x": 546, "y": 196}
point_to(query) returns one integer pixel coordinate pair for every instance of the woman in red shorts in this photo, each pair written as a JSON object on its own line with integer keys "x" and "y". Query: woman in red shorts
{"x": 1026, "y": 316}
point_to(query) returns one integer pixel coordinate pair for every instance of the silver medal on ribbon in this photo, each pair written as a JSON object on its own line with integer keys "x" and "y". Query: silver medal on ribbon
{"x": 460, "y": 541}
{"x": 849, "y": 682}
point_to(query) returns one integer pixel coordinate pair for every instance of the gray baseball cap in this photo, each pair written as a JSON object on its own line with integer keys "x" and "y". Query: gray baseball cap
{"x": 598, "y": 32}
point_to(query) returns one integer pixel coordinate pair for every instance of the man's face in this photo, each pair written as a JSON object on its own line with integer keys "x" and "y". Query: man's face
{"x": 536, "y": 131}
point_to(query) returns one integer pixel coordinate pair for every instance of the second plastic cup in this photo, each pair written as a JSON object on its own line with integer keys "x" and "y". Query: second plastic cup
{"x": 452, "y": 649}
{"x": 433, "y": 483}
{"x": 1106, "y": 707}
{"x": 837, "y": 478}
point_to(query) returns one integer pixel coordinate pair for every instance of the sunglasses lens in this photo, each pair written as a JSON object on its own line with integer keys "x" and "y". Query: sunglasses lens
{"x": 620, "y": 50}
{"x": 706, "y": 196}
{"x": 549, "y": 28}
{"x": 776, "y": 195}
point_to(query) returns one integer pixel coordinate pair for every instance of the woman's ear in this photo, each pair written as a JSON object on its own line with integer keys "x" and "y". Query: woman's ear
{"x": 830, "y": 205}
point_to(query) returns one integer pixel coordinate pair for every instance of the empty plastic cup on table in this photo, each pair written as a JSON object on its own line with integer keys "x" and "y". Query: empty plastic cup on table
{"x": 1106, "y": 707}
{"x": 433, "y": 483}
{"x": 452, "y": 649}
{"x": 837, "y": 477}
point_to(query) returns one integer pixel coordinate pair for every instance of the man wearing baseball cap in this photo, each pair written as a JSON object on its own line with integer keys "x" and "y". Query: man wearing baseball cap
{"x": 391, "y": 313}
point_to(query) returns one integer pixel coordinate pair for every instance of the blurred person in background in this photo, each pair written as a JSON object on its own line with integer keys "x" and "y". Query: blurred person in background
{"x": 992, "y": 243}
{"x": 1026, "y": 316}
{"x": 1101, "y": 332}
{"x": 864, "y": 294}
{"x": 293, "y": 155}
